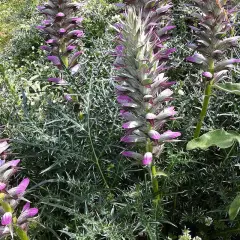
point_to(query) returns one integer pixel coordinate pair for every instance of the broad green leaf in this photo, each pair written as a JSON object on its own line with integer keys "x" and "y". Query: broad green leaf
{"x": 234, "y": 208}
{"x": 229, "y": 87}
{"x": 21, "y": 234}
{"x": 219, "y": 138}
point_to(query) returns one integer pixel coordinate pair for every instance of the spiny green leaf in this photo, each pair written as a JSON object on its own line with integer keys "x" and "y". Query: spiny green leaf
{"x": 219, "y": 138}
{"x": 234, "y": 208}
{"x": 229, "y": 87}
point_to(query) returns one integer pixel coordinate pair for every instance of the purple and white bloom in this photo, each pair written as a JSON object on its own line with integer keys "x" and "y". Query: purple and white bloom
{"x": 118, "y": 50}
{"x": 75, "y": 34}
{"x": 51, "y": 42}
{"x": 76, "y": 19}
{"x": 154, "y": 134}
{"x": 71, "y": 48}
{"x": 3, "y": 146}
{"x": 20, "y": 189}
{"x": 147, "y": 159}
{"x": 166, "y": 113}
{"x": 120, "y": 5}
{"x": 68, "y": 98}
{"x": 11, "y": 198}
{"x": 55, "y": 60}
{"x": 169, "y": 135}
{"x": 60, "y": 15}
{"x": 133, "y": 155}
{"x": 58, "y": 81}
{"x": 27, "y": 213}
{"x": 6, "y": 219}
{"x": 45, "y": 48}
{"x": 6, "y": 165}
{"x": 207, "y": 75}
{"x": 142, "y": 88}
{"x": 2, "y": 186}
{"x": 197, "y": 58}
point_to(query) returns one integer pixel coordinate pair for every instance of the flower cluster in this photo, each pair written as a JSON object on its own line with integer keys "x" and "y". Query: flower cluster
{"x": 63, "y": 30}
{"x": 186, "y": 235}
{"x": 212, "y": 44}
{"x": 141, "y": 86}
{"x": 10, "y": 198}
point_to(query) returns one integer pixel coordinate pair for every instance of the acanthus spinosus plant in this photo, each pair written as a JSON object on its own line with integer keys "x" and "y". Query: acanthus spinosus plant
{"x": 142, "y": 88}
{"x": 63, "y": 30}
{"x": 213, "y": 40}
{"x": 214, "y": 37}
{"x": 14, "y": 221}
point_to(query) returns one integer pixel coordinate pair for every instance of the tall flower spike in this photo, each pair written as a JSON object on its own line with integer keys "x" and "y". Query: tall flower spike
{"x": 10, "y": 199}
{"x": 142, "y": 88}
{"x": 212, "y": 42}
{"x": 63, "y": 30}
{"x": 141, "y": 85}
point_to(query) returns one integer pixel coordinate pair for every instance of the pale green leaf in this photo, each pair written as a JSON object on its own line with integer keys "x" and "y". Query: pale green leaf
{"x": 147, "y": 81}
{"x": 21, "y": 234}
{"x": 161, "y": 173}
{"x": 229, "y": 87}
{"x": 234, "y": 208}
{"x": 219, "y": 138}
{"x": 6, "y": 206}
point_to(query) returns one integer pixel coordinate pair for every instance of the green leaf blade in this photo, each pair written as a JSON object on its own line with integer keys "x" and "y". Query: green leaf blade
{"x": 21, "y": 233}
{"x": 234, "y": 208}
{"x": 229, "y": 87}
{"x": 219, "y": 138}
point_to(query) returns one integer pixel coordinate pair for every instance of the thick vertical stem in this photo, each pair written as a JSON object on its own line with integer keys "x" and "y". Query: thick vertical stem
{"x": 207, "y": 95}
{"x": 206, "y": 100}
{"x": 155, "y": 185}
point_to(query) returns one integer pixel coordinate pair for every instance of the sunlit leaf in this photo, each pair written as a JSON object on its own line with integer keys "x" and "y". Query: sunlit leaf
{"x": 161, "y": 173}
{"x": 21, "y": 234}
{"x": 229, "y": 87}
{"x": 219, "y": 138}
{"x": 234, "y": 208}
{"x": 6, "y": 206}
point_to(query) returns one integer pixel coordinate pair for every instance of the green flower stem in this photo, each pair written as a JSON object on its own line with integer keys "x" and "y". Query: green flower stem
{"x": 207, "y": 95}
{"x": 155, "y": 184}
